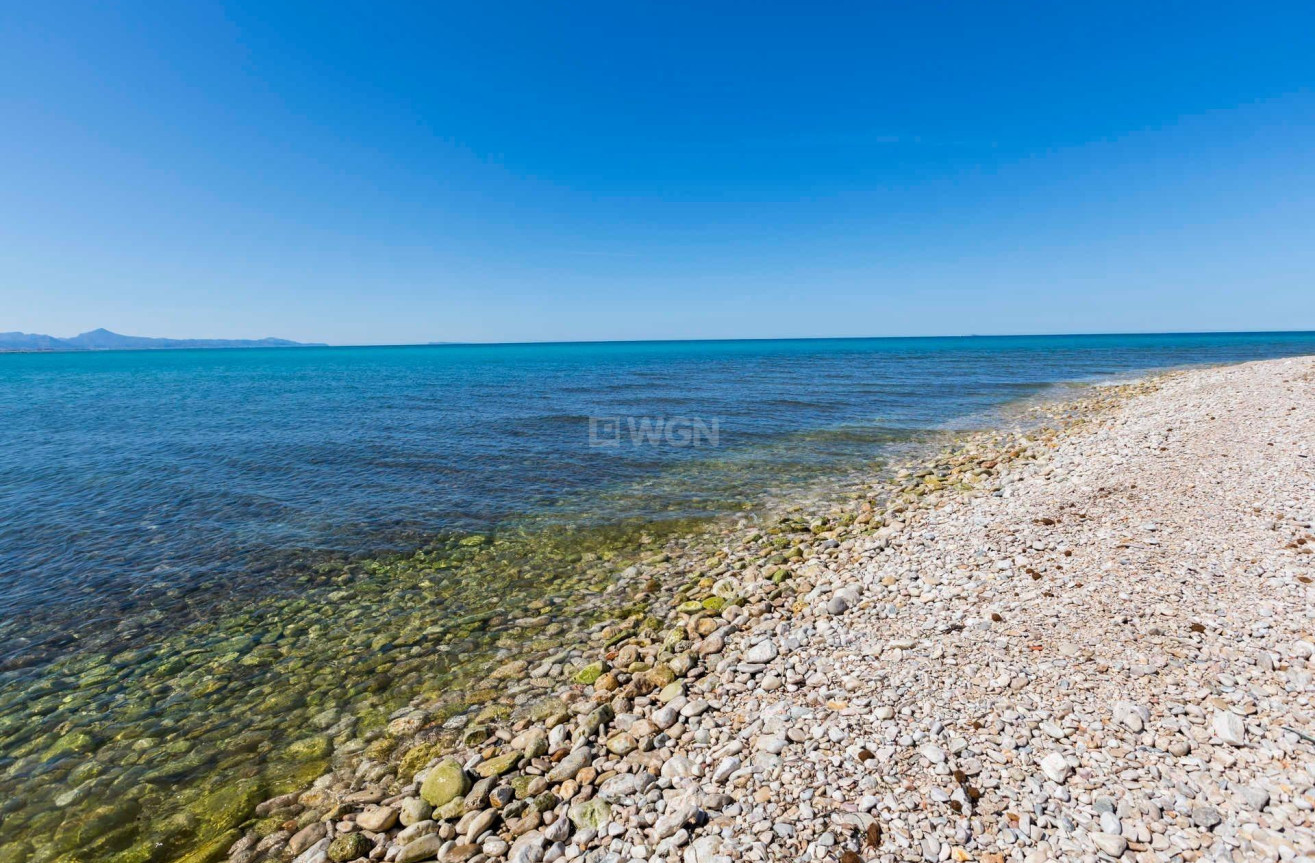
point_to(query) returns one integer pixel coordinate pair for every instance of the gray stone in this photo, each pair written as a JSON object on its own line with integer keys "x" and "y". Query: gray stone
{"x": 1110, "y": 844}
{"x": 1230, "y": 728}
{"x": 761, "y": 653}
{"x": 422, "y": 848}
{"x": 571, "y": 765}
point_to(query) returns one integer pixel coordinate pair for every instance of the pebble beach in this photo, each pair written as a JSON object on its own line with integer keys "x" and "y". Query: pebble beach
{"x": 1086, "y": 641}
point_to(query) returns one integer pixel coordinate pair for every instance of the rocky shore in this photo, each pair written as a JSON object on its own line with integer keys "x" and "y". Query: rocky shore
{"x": 1087, "y": 642}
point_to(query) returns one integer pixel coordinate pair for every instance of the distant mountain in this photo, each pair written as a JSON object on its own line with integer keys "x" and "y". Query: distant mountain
{"x": 104, "y": 340}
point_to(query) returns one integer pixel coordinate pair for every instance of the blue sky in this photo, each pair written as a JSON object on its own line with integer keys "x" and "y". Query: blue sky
{"x": 389, "y": 173}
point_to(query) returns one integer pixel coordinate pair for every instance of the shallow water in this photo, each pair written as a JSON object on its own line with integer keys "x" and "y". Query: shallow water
{"x": 193, "y": 596}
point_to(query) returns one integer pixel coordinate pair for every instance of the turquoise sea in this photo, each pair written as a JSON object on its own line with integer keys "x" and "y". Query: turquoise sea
{"x": 186, "y": 534}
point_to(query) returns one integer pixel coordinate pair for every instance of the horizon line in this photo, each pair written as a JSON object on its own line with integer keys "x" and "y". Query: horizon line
{"x": 548, "y": 342}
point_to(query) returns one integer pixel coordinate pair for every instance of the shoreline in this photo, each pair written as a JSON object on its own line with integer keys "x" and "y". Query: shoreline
{"x": 648, "y": 753}
{"x": 706, "y": 618}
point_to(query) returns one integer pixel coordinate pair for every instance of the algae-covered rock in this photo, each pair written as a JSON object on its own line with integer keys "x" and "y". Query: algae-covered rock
{"x": 309, "y": 749}
{"x": 444, "y": 783}
{"x": 380, "y": 749}
{"x": 540, "y": 710}
{"x": 450, "y": 811}
{"x": 227, "y": 806}
{"x": 85, "y": 827}
{"x": 661, "y": 675}
{"x": 492, "y": 713}
{"x": 15, "y": 852}
{"x": 349, "y": 846}
{"x": 591, "y": 814}
{"x": 590, "y": 672}
{"x": 417, "y": 757}
{"x": 212, "y": 851}
{"x": 75, "y": 742}
{"x": 520, "y": 786}
{"x": 497, "y": 766}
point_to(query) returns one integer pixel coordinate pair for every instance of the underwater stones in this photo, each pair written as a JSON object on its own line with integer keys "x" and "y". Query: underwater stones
{"x": 380, "y": 749}
{"x": 590, "y": 673}
{"x": 95, "y": 823}
{"x": 475, "y": 735}
{"x": 309, "y": 749}
{"x": 349, "y": 846}
{"x": 408, "y": 723}
{"x": 492, "y": 713}
{"x": 445, "y": 782}
{"x": 75, "y": 742}
{"x": 418, "y": 756}
{"x": 541, "y": 710}
{"x": 214, "y": 850}
{"x": 228, "y": 806}
{"x": 509, "y": 670}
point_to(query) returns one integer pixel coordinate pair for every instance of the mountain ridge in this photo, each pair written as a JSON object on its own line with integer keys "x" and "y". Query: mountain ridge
{"x": 101, "y": 339}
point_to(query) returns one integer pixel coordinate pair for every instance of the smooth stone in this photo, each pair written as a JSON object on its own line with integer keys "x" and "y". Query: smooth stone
{"x": 421, "y": 849}
{"x": 527, "y": 849}
{"x": 1206, "y": 816}
{"x": 445, "y": 782}
{"x": 1110, "y": 844}
{"x": 1055, "y": 768}
{"x": 1230, "y": 728}
{"x": 572, "y": 764}
{"x": 761, "y": 653}
{"x": 377, "y": 819}
{"x": 724, "y": 770}
{"x": 414, "y": 810}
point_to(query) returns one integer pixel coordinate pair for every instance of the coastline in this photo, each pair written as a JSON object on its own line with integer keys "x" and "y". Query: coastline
{"x": 669, "y": 631}
{"x": 724, "y": 738}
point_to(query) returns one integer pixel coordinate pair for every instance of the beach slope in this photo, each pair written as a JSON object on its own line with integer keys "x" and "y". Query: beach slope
{"x": 1089, "y": 643}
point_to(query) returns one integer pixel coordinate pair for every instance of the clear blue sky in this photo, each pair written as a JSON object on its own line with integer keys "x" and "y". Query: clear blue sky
{"x": 387, "y": 172}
